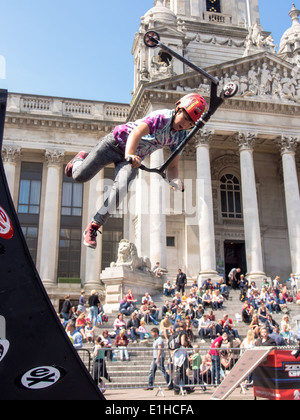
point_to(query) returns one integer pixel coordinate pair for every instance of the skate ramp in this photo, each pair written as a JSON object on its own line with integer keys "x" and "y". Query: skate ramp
{"x": 37, "y": 359}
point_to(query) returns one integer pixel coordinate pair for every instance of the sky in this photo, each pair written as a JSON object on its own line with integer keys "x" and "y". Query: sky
{"x": 82, "y": 49}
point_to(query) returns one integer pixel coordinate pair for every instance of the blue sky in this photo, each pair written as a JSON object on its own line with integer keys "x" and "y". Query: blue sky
{"x": 82, "y": 49}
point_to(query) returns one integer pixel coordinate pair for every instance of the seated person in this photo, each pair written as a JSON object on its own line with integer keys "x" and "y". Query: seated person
{"x": 287, "y": 335}
{"x": 154, "y": 312}
{"x": 207, "y": 299}
{"x": 157, "y": 270}
{"x": 125, "y": 307}
{"x": 169, "y": 289}
{"x": 177, "y": 297}
{"x": 131, "y": 299}
{"x": 271, "y": 324}
{"x": 199, "y": 295}
{"x": 118, "y": 324}
{"x": 165, "y": 327}
{"x": 247, "y": 313}
{"x": 133, "y": 326}
{"x": 270, "y": 303}
{"x": 166, "y": 309}
{"x": 227, "y": 325}
{"x": 146, "y": 299}
{"x": 281, "y": 304}
{"x": 207, "y": 285}
{"x": 144, "y": 313}
{"x": 217, "y": 300}
{"x": 191, "y": 300}
{"x": 205, "y": 328}
{"x": 190, "y": 311}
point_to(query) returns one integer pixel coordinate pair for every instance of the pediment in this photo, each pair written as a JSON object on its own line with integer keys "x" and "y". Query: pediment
{"x": 261, "y": 77}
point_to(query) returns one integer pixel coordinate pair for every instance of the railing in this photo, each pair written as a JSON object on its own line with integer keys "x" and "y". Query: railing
{"x": 174, "y": 372}
{"x": 83, "y": 109}
{"x": 217, "y": 18}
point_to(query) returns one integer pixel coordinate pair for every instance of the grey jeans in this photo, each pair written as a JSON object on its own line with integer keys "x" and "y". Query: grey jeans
{"x": 104, "y": 153}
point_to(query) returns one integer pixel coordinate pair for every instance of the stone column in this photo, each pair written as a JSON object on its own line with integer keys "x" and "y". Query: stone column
{"x": 11, "y": 156}
{"x": 142, "y": 209}
{"x": 157, "y": 212}
{"x": 51, "y": 217}
{"x": 288, "y": 145}
{"x": 93, "y": 258}
{"x": 205, "y": 208}
{"x": 254, "y": 257}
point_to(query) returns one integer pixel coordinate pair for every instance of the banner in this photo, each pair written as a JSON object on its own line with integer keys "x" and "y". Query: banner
{"x": 37, "y": 359}
{"x": 278, "y": 378}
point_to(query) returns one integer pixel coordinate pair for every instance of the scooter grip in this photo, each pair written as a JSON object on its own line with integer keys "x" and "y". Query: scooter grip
{"x": 129, "y": 159}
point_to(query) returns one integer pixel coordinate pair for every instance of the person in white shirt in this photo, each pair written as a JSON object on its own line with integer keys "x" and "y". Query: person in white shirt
{"x": 217, "y": 300}
{"x": 146, "y": 299}
{"x": 204, "y": 328}
{"x": 169, "y": 289}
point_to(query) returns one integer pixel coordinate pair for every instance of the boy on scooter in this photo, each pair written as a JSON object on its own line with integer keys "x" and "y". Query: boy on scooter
{"x": 134, "y": 140}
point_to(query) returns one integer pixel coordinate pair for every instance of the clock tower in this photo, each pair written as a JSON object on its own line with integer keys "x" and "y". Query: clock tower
{"x": 207, "y": 32}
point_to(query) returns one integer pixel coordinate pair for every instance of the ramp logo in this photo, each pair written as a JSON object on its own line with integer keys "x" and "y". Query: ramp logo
{"x": 41, "y": 377}
{"x": 6, "y": 229}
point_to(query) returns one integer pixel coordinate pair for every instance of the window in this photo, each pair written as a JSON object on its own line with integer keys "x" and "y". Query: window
{"x": 231, "y": 197}
{"x": 29, "y": 203}
{"x": 71, "y": 199}
{"x": 69, "y": 252}
{"x": 213, "y": 6}
{"x": 30, "y": 188}
{"x": 70, "y": 237}
{"x": 170, "y": 240}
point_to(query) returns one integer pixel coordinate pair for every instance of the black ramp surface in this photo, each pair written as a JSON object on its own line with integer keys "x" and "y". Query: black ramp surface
{"x": 37, "y": 359}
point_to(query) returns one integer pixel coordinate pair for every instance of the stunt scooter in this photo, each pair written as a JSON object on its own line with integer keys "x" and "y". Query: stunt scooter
{"x": 152, "y": 40}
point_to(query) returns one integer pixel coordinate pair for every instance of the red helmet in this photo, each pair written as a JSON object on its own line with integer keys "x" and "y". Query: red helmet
{"x": 194, "y": 104}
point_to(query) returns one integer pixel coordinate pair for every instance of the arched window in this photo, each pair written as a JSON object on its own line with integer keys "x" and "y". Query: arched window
{"x": 231, "y": 197}
{"x": 213, "y": 6}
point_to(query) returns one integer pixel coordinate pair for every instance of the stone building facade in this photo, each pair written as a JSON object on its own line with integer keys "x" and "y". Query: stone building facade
{"x": 241, "y": 204}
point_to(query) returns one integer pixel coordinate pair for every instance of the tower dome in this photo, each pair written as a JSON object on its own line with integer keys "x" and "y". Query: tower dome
{"x": 290, "y": 41}
{"x": 161, "y": 13}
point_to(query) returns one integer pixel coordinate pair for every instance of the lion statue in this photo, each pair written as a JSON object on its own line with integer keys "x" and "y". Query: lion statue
{"x": 128, "y": 256}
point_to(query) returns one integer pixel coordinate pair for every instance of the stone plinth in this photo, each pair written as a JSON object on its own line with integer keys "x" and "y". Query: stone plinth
{"x": 118, "y": 280}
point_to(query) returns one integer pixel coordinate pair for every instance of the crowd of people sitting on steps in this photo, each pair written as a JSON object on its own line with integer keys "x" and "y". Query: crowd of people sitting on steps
{"x": 196, "y": 313}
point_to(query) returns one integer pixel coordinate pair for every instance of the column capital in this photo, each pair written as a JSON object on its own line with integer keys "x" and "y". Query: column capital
{"x": 204, "y": 137}
{"x": 11, "y": 153}
{"x": 54, "y": 157}
{"x": 245, "y": 140}
{"x": 288, "y": 144}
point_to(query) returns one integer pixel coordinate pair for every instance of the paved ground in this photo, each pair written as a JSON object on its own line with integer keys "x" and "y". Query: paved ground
{"x": 142, "y": 395}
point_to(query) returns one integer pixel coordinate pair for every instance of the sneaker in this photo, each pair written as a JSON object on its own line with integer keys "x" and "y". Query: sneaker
{"x": 90, "y": 234}
{"x": 69, "y": 167}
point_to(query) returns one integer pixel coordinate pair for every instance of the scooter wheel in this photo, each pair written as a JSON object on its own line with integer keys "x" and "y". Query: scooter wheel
{"x": 151, "y": 39}
{"x": 230, "y": 89}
